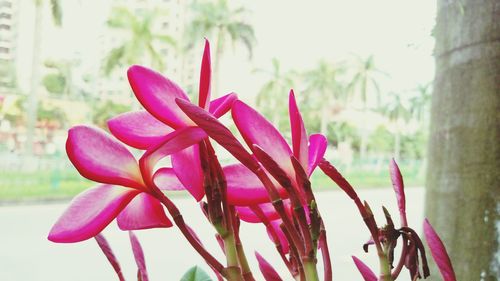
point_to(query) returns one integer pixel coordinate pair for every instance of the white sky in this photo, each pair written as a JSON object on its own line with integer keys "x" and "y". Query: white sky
{"x": 298, "y": 33}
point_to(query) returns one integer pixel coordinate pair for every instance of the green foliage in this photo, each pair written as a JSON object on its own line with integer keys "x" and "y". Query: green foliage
{"x": 271, "y": 97}
{"x": 55, "y": 83}
{"x": 217, "y": 20}
{"x": 195, "y": 273}
{"x": 141, "y": 42}
{"x": 106, "y": 110}
{"x": 381, "y": 140}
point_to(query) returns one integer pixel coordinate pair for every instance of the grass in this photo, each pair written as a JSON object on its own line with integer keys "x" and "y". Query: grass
{"x": 64, "y": 184}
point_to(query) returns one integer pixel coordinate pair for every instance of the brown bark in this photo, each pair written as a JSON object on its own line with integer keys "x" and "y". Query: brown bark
{"x": 463, "y": 177}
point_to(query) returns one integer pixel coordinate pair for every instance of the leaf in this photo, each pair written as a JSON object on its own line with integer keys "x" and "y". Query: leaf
{"x": 195, "y": 273}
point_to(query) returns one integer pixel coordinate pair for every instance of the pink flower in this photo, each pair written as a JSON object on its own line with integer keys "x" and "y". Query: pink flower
{"x": 144, "y": 129}
{"x": 123, "y": 193}
{"x": 244, "y": 188}
{"x": 438, "y": 252}
{"x": 365, "y": 271}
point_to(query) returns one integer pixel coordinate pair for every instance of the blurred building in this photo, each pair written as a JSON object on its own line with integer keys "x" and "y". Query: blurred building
{"x": 8, "y": 43}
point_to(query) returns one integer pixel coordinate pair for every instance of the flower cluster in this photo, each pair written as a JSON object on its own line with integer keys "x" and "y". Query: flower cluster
{"x": 269, "y": 184}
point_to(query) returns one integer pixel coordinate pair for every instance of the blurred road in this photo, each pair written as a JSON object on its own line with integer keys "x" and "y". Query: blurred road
{"x": 26, "y": 254}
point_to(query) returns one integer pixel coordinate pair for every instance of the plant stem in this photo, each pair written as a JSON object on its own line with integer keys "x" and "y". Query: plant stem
{"x": 310, "y": 270}
{"x": 179, "y": 222}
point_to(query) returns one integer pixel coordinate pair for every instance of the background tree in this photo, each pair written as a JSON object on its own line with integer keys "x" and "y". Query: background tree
{"x": 365, "y": 76}
{"x": 397, "y": 113}
{"x": 141, "y": 41}
{"x": 217, "y": 21}
{"x": 56, "y": 11}
{"x": 326, "y": 92}
{"x": 272, "y": 97}
{"x": 463, "y": 198}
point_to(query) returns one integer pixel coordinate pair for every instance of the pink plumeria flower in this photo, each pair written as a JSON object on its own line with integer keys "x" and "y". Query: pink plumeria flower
{"x": 144, "y": 129}
{"x": 439, "y": 252}
{"x": 257, "y": 131}
{"x": 123, "y": 193}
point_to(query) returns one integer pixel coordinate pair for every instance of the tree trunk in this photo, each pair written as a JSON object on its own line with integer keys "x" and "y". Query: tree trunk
{"x": 463, "y": 187}
{"x": 35, "y": 79}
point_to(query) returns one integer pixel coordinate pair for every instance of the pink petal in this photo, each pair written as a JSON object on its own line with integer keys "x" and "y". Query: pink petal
{"x": 100, "y": 158}
{"x": 90, "y": 212}
{"x": 365, "y": 271}
{"x": 267, "y": 269}
{"x": 398, "y": 185}
{"x": 299, "y": 135}
{"x": 246, "y": 214}
{"x": 157, "y": 94}
{"x": 255, "y": 129}
{"x": 165, "y": 179}
{"x": 205, "y": 77}
{"x": 244, "y": 188}
{"x": 317, "y": 149}
{"x": 281, "y": 236}
{"x": 439, "y": 253}
{"x": 187, "y": 166}
{"x": 220, "y": 133}
{"x": 220, "y": 106}
{"x": 138, "y": 129}
{"x": 108, "y": 252}
{"x": 172, "y": 143}
{"x": 138, "y": 256}
{"x": 143, "y": 212}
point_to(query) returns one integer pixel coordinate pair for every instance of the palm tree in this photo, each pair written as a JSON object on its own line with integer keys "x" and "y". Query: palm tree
{"x": 419, "y": 104}
{"x": 272, "y": 97}
{"x": 141, "y": 40}
{"x": 396, "y": 112}
{"x": 35, "y": 65}
{"x": 327, "y": 90}
{"x": 366, "y": 75}
{"x": 217, "y": 20}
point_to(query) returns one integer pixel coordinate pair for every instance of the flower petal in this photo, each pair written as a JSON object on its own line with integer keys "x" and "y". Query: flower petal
{"x": 139, "y": 257}
{"x": 187, "y": 166}
{"x": 317, "y": 149}
{"x": 244, "y": 188}
{"x": 398, "y": 185}
{"x": 205, "y": 77}
{"x": 220, "y": 133}
{"x": 275, "y": 225}
{"x": 143, "y": 212}
{"x": 100, "y": 158}
{"x": 365, "y": 271}
{"x": 267, "y": 269}
{"x": 157, "y": 94}
{"x": 247, "y": 214}
{"x": 172, "y": 143}
{"x": 165, "y": 179}
{"x": 220, "y": 106}
{"x": 90, "y": 212}
{"x": 255, "y": 129}
{"x": 138, "y": 129}
{"x": 439, "y": 253}
{"x": 299, "y": 135}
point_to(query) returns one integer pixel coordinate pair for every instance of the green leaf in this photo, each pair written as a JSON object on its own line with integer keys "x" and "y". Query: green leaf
{"x": 195, "y": 273}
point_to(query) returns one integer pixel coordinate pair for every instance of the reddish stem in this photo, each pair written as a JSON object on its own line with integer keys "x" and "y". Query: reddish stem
{"x": 179, "y": 221}
{"x": 327, "y": 263}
